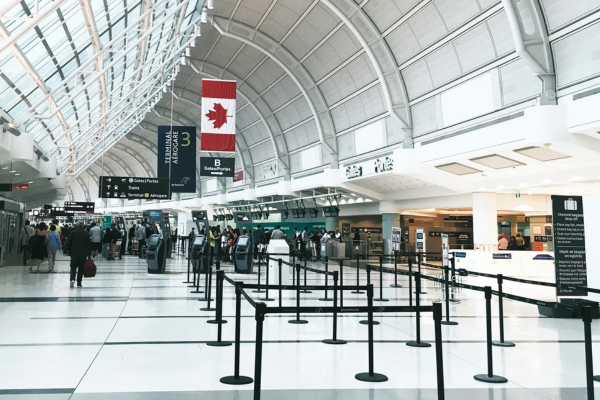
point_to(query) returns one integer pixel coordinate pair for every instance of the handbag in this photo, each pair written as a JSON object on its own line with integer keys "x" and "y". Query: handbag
{"x": 89, "y": 268}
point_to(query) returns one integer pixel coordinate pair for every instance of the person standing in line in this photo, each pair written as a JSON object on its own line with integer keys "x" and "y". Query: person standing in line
{"x": 324, "y": 238}
{"x": 79, "y": 247}
{"x": 303, "y": 241}
{"x": 520, "y": 242}
{"x": 277, "y": 233}
{"x": 258, "y": 238}
{"x": 512, "y": 244}
{"x": 24, "y": 235}
{"x": 53, "y": 246}
{"x": 502, "y": 243}
{"x": 106, "y": 241}
{"x": 38, "y": 246}
{"x": 130, "y": 238}
{"x": 140, "y": 235}
{"x": 96, "y": 237}
{"x": 115, "y": 235}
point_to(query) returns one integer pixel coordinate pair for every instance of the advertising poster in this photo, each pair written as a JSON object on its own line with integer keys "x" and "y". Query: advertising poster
{"x": 269, "y": 170}
{"x": 569, "y": 244}
{"x": 177, "y": 157}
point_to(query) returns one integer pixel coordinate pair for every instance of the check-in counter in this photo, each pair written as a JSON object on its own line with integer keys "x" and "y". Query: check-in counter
{"x": 518, "y": 263}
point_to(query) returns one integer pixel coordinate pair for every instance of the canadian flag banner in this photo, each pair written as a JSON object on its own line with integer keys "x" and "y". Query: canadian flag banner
{"x": 218, "y": 116}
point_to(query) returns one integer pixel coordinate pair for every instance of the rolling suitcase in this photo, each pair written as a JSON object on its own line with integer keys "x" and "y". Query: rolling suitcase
{"x": 89, "y": 269}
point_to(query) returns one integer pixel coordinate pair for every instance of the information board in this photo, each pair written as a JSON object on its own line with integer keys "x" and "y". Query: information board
{"x": 217, "y": 166}
{"x": 79, "y": 207}
{"x": 177, "y": 157}
{"x": 126, "y": 187}
{"x": 569, "y": 245}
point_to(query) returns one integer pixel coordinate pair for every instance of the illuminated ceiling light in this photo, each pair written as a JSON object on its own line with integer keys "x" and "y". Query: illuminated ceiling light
{"x": 210, "y": 4}
{"x": 541, "y": 153}
{"x": 193, "y": 43}
{"x": 188, "y": 52}
{"x": 204, "y": 16}
{"x": 183, "y": 62}
{"x": 5, "y": 168}
{"x": 17, "y": 174}
{"x": 12, "y": 171}
{"x": 165, "y": 89}
{"x": 197, "y": 30}
{"x": 30, "y": 182}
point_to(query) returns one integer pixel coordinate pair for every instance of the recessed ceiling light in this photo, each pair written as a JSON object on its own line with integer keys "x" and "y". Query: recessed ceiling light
{"x": 541, "y": 153}
{"x": 12, "y": 171}
{"x": 496, "y": 161}
{"x": 458, "y": 169}
{"x": 30, "y": 182}
{"x": 5, "y": 168}
{"x": 17, "y": 174}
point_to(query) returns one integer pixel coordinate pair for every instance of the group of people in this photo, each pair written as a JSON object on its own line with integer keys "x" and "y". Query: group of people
{"x": 104, "y": 241}
{"x": 40, "y": 242}
{"x": 515, "y": 243}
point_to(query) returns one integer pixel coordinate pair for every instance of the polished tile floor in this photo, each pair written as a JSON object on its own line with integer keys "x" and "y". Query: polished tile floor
{"x": 130, "y": 335}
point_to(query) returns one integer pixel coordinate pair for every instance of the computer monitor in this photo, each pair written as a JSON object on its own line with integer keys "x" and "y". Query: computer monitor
{"x": 327, "y": 211}
{"x": 242, "y": 241}
{"x": 153, "y": 241}
{"x": 199, "y": 240}
{"x": 314, "y": 212}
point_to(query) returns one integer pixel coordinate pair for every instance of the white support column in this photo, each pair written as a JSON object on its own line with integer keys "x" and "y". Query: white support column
{"x": 485, "y": 221}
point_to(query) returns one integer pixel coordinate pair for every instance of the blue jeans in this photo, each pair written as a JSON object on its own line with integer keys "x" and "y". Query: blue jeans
{"x": 105, "y": 249}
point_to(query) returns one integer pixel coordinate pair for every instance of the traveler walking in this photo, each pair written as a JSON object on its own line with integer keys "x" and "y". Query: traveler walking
{"x": 37, "y": 241}
{"x": 79, "y": 248}
{"x": 24, "y": 235}
{"x": 52, "y": 247}
{"x": 140, "y": 235}
{"x": 96, "y": 237}
{"x": 106, "y": 241}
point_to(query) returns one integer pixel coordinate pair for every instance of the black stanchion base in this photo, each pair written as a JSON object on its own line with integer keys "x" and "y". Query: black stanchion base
{"x": 596, "y": 378}
{"x": 266, "y": 299}
{"x": 420, "y": 292}
{"x": 218, "y": 344}
{"x": 337, "y": 341}
{"x": 240, "y": 380}
{"x": 365, "y": 377}
{"x": 449, "y": 323}
{"x": 324, "y": 299}
{"x": 490, "y": 379}
{"x": 297, "y": 321}
{"x": 366, "y": 322}
{"x": 204, "y": 299}
{"x": 394, "y": 285}
{"x": 305, "y": 291}
{"x": 380, "y": 300}
{"x": 215, "y": 321}
{"x": 258, "y": 291}
{"x": 186, "y": 282}
{"x": 454, "y": 301}
{"x": 418, "y": 344}
{"x": 503, "y": 344}
{"x": 208, "y": 309}
{"x": 357, "y": 292}
{"x": 196, "y": 291}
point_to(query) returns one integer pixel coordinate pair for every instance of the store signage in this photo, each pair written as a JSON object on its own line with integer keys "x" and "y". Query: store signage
{"x": 238, "y": 176}
{"x": 502, "y": 256}
{"x": 460, "y": 254}
{"x": 269, "y": 170}
{"x": 21, "y": 186}
{"x": 124, "y": 187}
{"x": 370, "y": 167}
{"x": 106, "y": 221}
{"x": 364, "y": 229}
{"x": 217, "y": 166}
{"x": 459, "y": 218}
{"x": 569, "y": 245}
{"x": 177, "y": 157}
{"x": 79, "y": 207}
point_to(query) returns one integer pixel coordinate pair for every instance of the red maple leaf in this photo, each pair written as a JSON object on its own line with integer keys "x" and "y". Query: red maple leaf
{"x": 218, "y": 114}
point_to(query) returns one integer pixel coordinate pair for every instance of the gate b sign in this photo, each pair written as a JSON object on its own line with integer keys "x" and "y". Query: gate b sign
{"x": 217, "y": 166}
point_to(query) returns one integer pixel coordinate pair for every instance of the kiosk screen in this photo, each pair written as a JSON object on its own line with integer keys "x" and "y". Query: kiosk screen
{"x": 243, "y": 241}
{"x": 199, "y": 240}
{"x": 153, "y": 242}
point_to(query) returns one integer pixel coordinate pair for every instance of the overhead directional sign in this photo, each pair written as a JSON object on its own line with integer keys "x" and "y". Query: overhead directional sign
{"x": 126, "y": 187}
{"x": 216, "y": 166}
{"x": 79, "y": 207}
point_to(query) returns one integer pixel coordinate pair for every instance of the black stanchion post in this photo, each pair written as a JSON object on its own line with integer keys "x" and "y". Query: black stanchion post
{"x": 294, "y": 268}
{"x": 418, "y": 343}
{"x": 188, "y": 269}
{"x": 410, "y": 275}
{"x": 447, "y": 286}
{"x": 341, "y": 283}
{"x": 357, "y": 275}
{"x": 395, "y": 284}
{"x": 381, "y": 280}
{"x": 489, "y": 377}
{"x": 419, "y": 255}
{"x": 304, "y": 290}
{"x": 260, "y": 318}
{"x": 298, "y": 320}
{"x": 501, "y": 343}
{"x": 326, "y": 279}
{"x": 236, "y": 379}
{"x": 219, "y": 317}
{"x": 259, "y": 290}
{"x": 367, "y": 321}
{"x": 371, "y": 376}
{"x": 279, "y": 264}
{"x": 196, "y": 282}
{"x": 586, "y": 316}
{"x": 209, "y": 292}
{"x": 439, "y": 355}
{"x": 453, "y": 277}
{"x": 335, "y": 340}
{"x": 266, "y": 298}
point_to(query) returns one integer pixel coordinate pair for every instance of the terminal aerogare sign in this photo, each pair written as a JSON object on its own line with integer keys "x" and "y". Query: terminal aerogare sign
{"x": 370, "y": 167}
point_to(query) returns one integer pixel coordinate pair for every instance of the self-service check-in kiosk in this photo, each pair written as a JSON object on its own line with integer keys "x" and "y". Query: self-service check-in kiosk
{"x": 200, "y": 243}
{"x": 156, "y": 254}
{"x": 243, "y": 248}
{"x": 165, "y": 228}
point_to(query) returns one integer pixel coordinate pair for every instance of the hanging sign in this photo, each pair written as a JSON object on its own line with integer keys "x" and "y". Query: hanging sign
{"x": 106, "y": 222}
{"x": 217, "y": 166}
{"x": 218, "y": 116}
{"x": 238, "y": 176}
{"x": 269, "y": 170}
{"x": 177, "y": 157}
{"x": 569, "y": 245}
{"x": 371, "y": 167}
{"x": 125, "y": 187}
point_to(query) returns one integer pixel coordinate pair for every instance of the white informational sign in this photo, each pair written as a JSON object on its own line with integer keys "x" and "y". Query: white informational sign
{"x": 396, "y": 239}
{"x": 269, "y": 170}
{"x": 366, "y": 168}
{"x": 444, "y": 250}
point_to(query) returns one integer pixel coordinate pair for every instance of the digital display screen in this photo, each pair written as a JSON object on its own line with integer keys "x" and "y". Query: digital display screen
{"x": 314, "y": 212}
{"x": 199, "y": 240}
{"x": 153, "y": 241}
{"x": 257, "y": 215}
{"x": 285, "y": 215}
{"x": 297, "y": 213}
{"x": 327, "y": 211}
{"x": 154, "y": 215}
{"x": 243, "y": 216}
{"x": 79, "y": 207}
{"x": 199, "y": 215}
{"x": 242, "y": 241}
